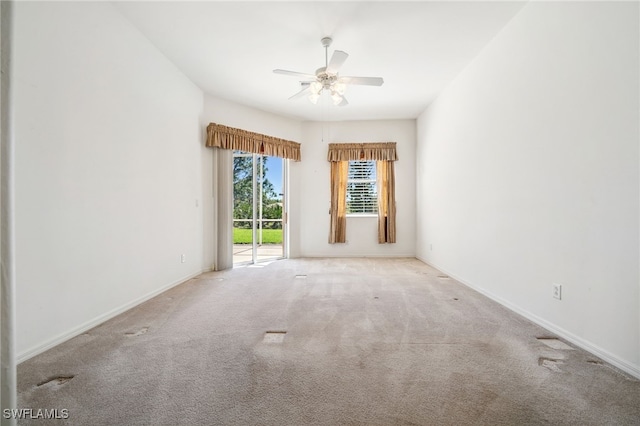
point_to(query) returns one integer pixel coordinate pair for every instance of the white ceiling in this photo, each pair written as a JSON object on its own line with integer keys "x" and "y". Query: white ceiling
{"x": 229, "y": 49}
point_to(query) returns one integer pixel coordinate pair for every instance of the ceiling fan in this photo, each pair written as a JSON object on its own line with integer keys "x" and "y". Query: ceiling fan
{"x": 327, "y": 79}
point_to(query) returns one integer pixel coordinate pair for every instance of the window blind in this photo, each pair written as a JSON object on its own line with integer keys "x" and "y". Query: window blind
{"x": 362, "y": 191}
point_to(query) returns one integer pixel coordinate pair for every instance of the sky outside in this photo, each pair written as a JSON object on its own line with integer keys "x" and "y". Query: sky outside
{"x": 274, "y": 173}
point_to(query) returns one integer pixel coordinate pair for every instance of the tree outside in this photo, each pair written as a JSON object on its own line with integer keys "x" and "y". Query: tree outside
{"x": 243, "y": 194}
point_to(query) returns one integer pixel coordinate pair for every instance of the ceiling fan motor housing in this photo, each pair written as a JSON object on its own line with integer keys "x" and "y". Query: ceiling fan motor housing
{"x": 325, "y": 78}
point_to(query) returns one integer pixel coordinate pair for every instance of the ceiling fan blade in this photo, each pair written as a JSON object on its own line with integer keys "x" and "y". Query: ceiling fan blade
{"x": 365, "y": 81}
{"x": 337, "y": 59}
{"x": 344, "y": 102}
{"x": 301, "y": 93}
{"x": 296, "y": 74}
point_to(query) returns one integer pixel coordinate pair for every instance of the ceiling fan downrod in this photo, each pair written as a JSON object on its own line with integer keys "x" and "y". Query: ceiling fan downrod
{"x": 326, "y": 42}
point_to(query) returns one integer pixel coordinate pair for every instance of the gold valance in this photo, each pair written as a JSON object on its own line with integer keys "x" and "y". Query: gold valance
{"x": 378, "y": 151}
{"x": 224, "y": 137}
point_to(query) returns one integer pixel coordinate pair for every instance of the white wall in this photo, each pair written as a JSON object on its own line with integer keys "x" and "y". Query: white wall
{"x": 527, "y": 173}
{"x": 228, "y": 113}
{"x": 311, "y": 181}
{"x": 108, "y": 161}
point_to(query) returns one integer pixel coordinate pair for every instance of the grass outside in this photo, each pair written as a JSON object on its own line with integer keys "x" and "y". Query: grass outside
{"x": 269, "y": 236}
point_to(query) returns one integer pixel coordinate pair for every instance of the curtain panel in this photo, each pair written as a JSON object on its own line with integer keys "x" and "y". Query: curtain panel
{"x": 386, "y": 202}
{"x": 219, "y": 136}
{"x": 338, "y": 226}
{"x": 378, "y": 151}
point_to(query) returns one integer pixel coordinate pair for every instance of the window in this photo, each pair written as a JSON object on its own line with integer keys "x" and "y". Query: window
{"x": 362, "y": 184}
{"x": 362, "y": 190}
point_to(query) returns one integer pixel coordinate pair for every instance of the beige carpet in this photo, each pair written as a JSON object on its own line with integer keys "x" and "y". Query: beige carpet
{"x": 368, "y": 342}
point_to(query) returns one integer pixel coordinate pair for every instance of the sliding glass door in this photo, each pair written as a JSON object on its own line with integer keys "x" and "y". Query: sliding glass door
{"x": 258, "y": 208}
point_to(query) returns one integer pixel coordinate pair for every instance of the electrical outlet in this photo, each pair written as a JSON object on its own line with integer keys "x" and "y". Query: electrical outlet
{"x": 557, "y": 291}
{"x": 183, "y": 258}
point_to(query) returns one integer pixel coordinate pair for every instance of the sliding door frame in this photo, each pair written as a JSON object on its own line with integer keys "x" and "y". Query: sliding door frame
{"x": 257, "y": 208}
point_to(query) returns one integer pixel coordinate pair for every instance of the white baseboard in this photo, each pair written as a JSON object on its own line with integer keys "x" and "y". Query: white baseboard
{"x": 63, "y": 337}
{"x": 354, "y": 256}
{"x": 588, "y": 346}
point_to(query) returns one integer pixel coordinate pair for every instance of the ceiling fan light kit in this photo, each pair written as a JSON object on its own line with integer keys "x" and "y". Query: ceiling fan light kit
{"x": 327, "y": 80}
